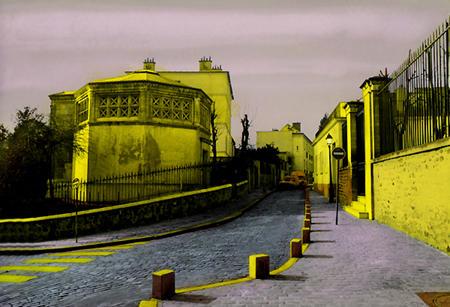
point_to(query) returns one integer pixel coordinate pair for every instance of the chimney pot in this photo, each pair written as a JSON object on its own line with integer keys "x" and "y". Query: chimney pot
{"x": 205, "y": 64}
{"x": 149, "y": 64}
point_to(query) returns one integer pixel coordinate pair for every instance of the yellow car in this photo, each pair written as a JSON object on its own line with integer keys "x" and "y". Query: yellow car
{"x": 289, "y": 183}
{"x": 303, "y": 183}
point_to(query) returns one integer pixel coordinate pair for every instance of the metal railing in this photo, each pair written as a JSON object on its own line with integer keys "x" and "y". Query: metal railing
{"x": 132, "y": 187}
{"x": 414, "y": 105}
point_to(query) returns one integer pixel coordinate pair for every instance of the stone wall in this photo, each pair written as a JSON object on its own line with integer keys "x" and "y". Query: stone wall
{"x": 141, "y": 213}
{"x": 410, "y": 189}
{"x": 345, "y": 187}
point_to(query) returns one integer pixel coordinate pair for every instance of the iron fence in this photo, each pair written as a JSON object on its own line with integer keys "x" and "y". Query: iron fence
{"x": 132, "y": 187}
{"x": 414, "y": 105}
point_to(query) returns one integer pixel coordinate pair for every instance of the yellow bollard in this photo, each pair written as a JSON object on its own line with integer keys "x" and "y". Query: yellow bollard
{"x": 163, "y": 284}
{"x": 305, "y": 235}
{"x": 296, "y": 248}
{"x": 259, "y": 266}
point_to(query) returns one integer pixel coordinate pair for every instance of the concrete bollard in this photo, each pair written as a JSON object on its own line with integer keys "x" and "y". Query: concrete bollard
{"x": 308, "y": 216}
{"x": 305, "y": 235}
{"x": 259, "y": 266}
{"x": 163, "y": 284}
{"x": 308, "y": 210}
{"x": 306, "y": 223}
{"x": 296, "y": 248}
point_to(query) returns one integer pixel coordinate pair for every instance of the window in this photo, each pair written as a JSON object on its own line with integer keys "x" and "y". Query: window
{"x": 171, "y": 108}
{"x": 204, "y": 117}
{"x": 82, "y": 110}
{"x": 120, "y": 106}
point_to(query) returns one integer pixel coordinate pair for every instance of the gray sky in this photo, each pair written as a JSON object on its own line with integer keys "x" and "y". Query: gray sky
{"x": 288, "y": 60}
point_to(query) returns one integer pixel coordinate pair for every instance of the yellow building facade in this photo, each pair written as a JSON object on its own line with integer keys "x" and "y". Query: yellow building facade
{"x": 325, "y": 166}
{"x": 216, "y": 83}
{"x": 137, "y": 122}
{"x": 294, "y": 145}
{"x": 405, "y": 189}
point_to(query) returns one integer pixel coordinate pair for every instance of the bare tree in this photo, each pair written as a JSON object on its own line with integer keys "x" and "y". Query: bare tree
{"x": 245, "y": 127}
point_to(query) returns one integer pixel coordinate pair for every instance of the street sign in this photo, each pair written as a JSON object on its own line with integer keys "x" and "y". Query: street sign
{"x": 75, "y": 182}
{"x": 338, "y": 153}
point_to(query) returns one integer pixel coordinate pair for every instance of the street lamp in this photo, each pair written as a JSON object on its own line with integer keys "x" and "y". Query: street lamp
{"x": 330, "y": 189}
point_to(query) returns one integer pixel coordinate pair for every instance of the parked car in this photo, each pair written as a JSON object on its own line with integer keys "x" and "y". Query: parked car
{"x": 289, "y": 183}
{"x": 303, "y": 183}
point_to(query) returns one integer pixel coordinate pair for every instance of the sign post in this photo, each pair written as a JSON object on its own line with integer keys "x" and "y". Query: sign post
{"x": 339, "y": 154}
{"x": 76, "y": 183}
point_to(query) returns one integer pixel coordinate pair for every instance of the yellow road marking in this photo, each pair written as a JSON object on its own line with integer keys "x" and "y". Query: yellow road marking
{"x": 81, "y": 254}
{"x": 138, "y": 243}
{"x": 15, "y": 278}
{"x": 111, "y": 247}
{"x": 290, "y": 262}
{"x": 152, "y": 303}
{"x": 33, "y": 268}
{"x": 284, "y": 267}
{"x": 61, "y": 260}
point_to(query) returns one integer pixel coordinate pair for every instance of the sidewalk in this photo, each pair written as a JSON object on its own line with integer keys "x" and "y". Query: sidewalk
{"x": 354, "y": 263}
{"x": 144, "y": 233}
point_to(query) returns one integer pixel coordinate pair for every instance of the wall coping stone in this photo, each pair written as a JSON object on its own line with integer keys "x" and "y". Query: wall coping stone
{"x": 435, "y": 145}
{"x": 117, "y": 207}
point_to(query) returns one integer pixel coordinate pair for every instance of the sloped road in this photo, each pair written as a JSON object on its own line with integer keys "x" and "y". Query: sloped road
{"x": 124, "y": 278}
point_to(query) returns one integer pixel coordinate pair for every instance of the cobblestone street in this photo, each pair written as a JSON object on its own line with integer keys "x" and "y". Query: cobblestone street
{"x": 206, "y": 256}
{"x": 354, "y": 263}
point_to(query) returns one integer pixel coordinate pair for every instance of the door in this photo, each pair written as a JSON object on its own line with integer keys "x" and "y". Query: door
{"x": 360, "y": 154}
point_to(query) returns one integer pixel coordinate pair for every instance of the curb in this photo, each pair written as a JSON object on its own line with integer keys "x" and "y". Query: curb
{"x": 288, "y": 264}
{"x": 31, "y": 251}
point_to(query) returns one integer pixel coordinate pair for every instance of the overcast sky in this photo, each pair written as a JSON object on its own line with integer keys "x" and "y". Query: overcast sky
{"x": 289, "y": 61}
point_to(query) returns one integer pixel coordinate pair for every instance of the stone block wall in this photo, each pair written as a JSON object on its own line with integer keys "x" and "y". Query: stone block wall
{"x": 117, "y": 217}
{"x": 410, "y": 190}
{"x": 344, "y": 187}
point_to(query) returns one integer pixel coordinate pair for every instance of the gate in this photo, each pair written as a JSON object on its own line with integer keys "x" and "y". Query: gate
{"x": 360, "y": 154}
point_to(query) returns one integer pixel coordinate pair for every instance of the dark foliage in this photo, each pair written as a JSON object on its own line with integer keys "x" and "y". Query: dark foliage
{"x": 26, "y": 157}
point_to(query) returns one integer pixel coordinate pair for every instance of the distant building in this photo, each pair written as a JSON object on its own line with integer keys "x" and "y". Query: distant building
{"x": 334, "y": 127}
{"x": 216, "y": 83}
{"x": 294, "y": 145}
{"x": 137, "y": 122}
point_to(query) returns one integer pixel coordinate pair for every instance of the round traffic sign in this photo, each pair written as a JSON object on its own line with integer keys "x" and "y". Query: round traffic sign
{"x": 338, "y": 153}
{"x": 75, "y": 182}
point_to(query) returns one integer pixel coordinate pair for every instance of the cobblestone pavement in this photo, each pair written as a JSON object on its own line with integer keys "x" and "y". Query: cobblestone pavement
{"x": 354, "y": 263}
{"x": 162, "y": 227}
{"x": 206, "y": 256}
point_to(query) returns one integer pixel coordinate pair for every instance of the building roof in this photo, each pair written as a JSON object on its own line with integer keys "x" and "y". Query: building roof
{"x": 142, "y": 75}
{"x": 290, "y": 128}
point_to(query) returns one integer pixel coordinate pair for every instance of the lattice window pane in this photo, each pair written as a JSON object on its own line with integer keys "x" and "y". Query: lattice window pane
{"x": 156, "y": 113}
{"x": 176, "y": 104}
{"x": 166, "y": 102}
{"x": 134, "y": 111}
{"x": 156, "y": 101}
{"x": 165, "y": 113}
{"x": 123, "y": 100}
{"x": 134, "y": 100}
{"x": 176, "y": 114}
{"x": 113, "y": 112}
{"x": 103, "y": 112}
{"x": 186, "y": 116}
{"x": 114, "y": 101}
{"x": 186, "y": 104}
{"x": 124, "y": 112}
{"x": 103, "y": 101}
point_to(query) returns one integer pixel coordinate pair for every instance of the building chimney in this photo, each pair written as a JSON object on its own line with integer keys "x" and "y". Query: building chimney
{"x": 205, "y": 63}
{"x": 149, "y": 64}
{"x": 296, "y": 126}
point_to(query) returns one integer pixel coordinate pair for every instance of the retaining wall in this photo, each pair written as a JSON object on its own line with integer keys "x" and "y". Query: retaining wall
{"x": 411, "y": 192}
{"x": 135, "y": 214}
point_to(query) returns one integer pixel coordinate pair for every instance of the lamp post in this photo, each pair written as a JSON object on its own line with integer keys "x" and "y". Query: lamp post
{"x": 330, "y": 190}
